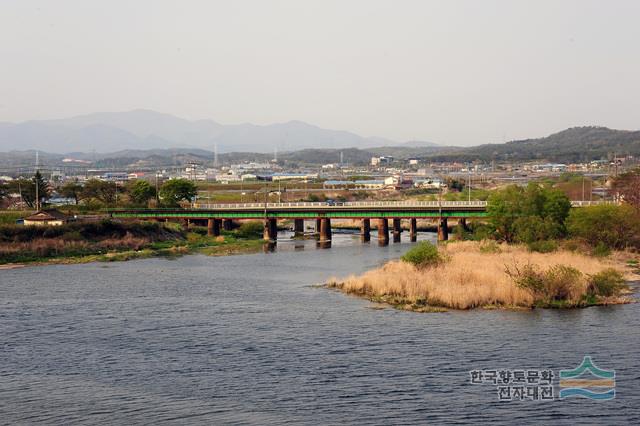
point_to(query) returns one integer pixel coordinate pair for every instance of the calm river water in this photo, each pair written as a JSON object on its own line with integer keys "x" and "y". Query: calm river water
{"x": 249, "y": 340}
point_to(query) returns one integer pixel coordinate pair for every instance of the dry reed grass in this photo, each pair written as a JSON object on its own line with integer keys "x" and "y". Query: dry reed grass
{"x": 470, "y": 278}
{"x": 46, "y": 247}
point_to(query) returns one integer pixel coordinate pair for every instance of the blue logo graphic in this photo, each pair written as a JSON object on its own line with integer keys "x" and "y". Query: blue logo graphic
{"x": 588, "y": 381}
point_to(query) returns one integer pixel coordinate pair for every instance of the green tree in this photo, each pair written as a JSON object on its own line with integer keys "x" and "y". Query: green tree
{"x": 175, "y": 190}
{"x": 455, "y": 185}
{"x": 27, "y": 189}
{"x": 141, "y": 191}
{"x": 616, "y": 226}
{"x": 41, "y": 189}
{"x": 528, "y": 214}
{"x": 99, "y": 190}
{"x": 71, "y": 189}
{"x": 504, "y": 207}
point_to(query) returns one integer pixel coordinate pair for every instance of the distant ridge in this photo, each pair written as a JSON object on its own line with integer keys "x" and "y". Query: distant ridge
{"x": 575, "y": 144}
{"x": 145, "y": 129}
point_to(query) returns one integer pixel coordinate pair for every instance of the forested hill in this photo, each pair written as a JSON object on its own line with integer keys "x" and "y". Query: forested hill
{"x": 577, "y": 144}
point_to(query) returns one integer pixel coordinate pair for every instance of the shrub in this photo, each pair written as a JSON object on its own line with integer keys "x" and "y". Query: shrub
{"x": 560, "y": 282}
{"x": 617, "y": 227}
{"x": 423, "y": 255}
{"x": 528, "y": 277}
{"x": 250, "y": 230}
{"x": 489, "y": 246}
{"x": 481, "y": 231}
{"x": 200, "y": 230}
{"x": 601, "y": 250}
{"x": 544, "y": 246}
{"x": 606, "y": 283}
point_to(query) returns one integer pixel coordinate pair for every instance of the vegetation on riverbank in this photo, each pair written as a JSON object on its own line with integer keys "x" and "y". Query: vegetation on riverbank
{"x": 468, "y": 275}
{"x": 110, "y": 241}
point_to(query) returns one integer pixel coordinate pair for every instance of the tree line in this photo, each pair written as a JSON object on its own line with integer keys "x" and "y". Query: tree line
{"x": 98, "y": 193}
{"x": 540, "y": 215}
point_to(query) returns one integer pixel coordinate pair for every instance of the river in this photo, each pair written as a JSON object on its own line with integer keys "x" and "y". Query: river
{"x": 249, "y": 339}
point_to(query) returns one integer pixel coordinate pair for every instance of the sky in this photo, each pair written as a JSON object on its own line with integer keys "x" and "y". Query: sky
{"x": 450, "y": 72}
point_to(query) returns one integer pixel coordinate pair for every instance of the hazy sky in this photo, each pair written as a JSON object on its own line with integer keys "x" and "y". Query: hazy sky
{"x": 458, "y": 72}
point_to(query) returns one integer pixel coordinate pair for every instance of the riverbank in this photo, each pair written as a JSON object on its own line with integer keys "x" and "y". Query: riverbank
{"x": 110, "y": 241}
{"x": 491, "y": 276}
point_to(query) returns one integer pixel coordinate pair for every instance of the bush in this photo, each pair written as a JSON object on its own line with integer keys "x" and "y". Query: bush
{"x": 423, "y": 255}
{"x": 617, "y": 227}
{"x": 489, "y": 246}
{"x": 544, "y": 246}
{"x": 250, "y": 230}
{"x": 558, "y": 283}
{"x": 481, "y": 231}
{"x": 528, "y": 277}
{"x": 601, "y": 250}
{"x": 561, "y": 282}
{"x": 606, "y": 283}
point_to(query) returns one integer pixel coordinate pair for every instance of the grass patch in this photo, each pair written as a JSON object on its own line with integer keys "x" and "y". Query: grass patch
{"x": 475, "y": 277}
{"x": 115, "y": 241}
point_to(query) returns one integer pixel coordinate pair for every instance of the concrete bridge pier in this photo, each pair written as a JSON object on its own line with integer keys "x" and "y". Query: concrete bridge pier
{"x": 463, "y": 223}
{"x": 298, "y": 227}
{"x": 413, "y": 230}
{"x": 270, "y": 230}
{"x": 325, "y": 230}
{"x": 383, "y": 231}
{"x": 227, "y": 224}
{"x": 213, "y": 227}
{"x": 318, "y": 225}
{"x": 365, "y": 230}
{"x": 397, "y": 230}
{"x": 443, "y": 229}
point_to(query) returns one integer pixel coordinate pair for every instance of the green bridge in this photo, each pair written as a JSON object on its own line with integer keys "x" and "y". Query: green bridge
{"x": 221, "y": 215}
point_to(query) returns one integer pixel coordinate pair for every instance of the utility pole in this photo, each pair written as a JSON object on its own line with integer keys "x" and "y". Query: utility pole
{"x": 265, "y": 200}
{"x": 157, "y": 195}
{"x": 469, "y": 171}
{"x": 37, "y": 192}
{"x": 36, "y": 180}
{"x": 20, "y": 191}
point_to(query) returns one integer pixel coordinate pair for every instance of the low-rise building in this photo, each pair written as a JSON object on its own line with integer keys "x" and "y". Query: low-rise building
{"x": 292, "y": 176}
{"x": 49, "y": 217}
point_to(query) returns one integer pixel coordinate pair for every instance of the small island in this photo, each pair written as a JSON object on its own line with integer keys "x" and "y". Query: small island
{"x": 467, "y": 275}
{"x": 533, "y": 250}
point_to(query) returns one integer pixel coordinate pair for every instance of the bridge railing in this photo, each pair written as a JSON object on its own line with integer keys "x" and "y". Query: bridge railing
{"x": 338, "y": 205}
{"x": 367, "y": 204}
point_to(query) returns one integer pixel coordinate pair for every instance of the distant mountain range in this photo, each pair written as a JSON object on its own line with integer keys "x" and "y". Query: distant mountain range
{"x": 143, "y": 136}
{"x": 577, "y": 144}
{"x": 143, "y": 129}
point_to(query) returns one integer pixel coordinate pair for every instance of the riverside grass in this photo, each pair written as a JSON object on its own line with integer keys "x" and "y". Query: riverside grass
{"x": 113, "y": 241}
{"x": 474, "y": 277}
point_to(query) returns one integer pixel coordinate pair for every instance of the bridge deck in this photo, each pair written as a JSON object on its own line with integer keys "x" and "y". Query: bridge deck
{"x": 347, "y": 210}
